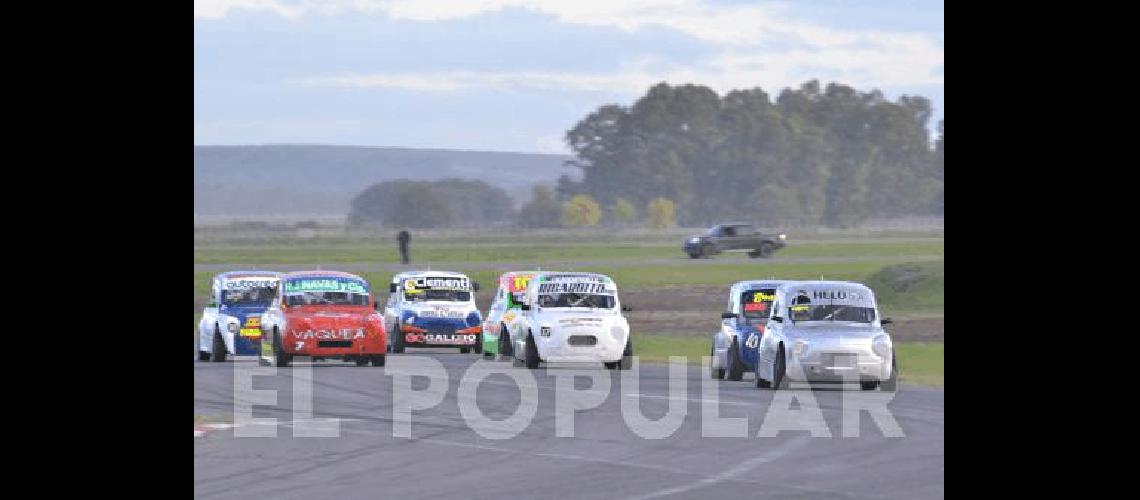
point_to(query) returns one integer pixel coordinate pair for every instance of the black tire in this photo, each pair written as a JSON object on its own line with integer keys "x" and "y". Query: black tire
{"x": 397, "y": 340}
{"x": 478, "y": 344}
{"x": 203, "y": 356}
{"x": 281, "y": 358}
{"x": 891, "y": 384}
{"x": 706, "y": 250}
{"x": 378, "y": 359}
{"x": 761, "y": 383}
{"x": 869, "y": 385}
{"x": 626, "y": 362}
{"x": 765, "y": 250}
{"x": 218, "y": 351}
{"x": 464, "y": 350}
{"x": 505, "y": 346}
{"x": 695, "y": 254}
{"x": 716, "y": 373}
{"x": 362, "y": 361}
{"x": 735, "y": 369}
{"x": 531, "y": 359}
{"x": 780, "y": 374}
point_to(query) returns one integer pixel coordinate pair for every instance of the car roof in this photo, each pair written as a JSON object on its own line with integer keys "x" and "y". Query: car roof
{"x": 750, "y": 284}
{"x": 240, "y": 274}
{"x": 318, "y": 272}
{"x": 727, "y": 224}
{"x": 824, "y": 283}
{"x": 583, "y": 274}
{"x": 417, "y": 274}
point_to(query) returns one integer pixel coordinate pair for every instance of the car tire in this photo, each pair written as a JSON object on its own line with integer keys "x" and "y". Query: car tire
{"x": 464, "y": 350}
{"x": 891, "y": 384}
{"x": 780, "y": 370}
{"x": 478, "y": 344}
{"x": 706, "y": 250}
{"x": 760, "y": 382}
{"x": 505, "y": 347}
{"x": 203, "y": 356}
{"x": 626, "y": 362}
{"x": 531, "y": 359}
{"x": 716, "y": 373}
{"x": 362, "y": 361}
{"x": 868, "y": 385}
{"x": 218, "y": 351}
{"x": 735, "y": 369}
{"x": 694, "y": 254}
{"x": 397, "y": 340}
{"x": 765, "y": 250}
{"x": 378, "y": 359}
{"x": 281, "y": 358}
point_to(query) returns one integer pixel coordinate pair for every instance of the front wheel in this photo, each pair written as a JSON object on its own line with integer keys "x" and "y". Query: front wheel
{"x": 505, "y": 348}
{"x": 626, "y": 361}
{"x": 531, "y": 359}
{"x": 397, "y": 340}
{"x": 891, "y": 384}
{"x": 735, "y": 368}
{"x": 478, "y": 344}
{"x": 765, "y": 250}
{"x": 378, "y": 359}
{"x": 281, "y": 358}
{"x": 218, "y": 353}
{"x": 362, "y": 361}
{"x": 779, "y": 371}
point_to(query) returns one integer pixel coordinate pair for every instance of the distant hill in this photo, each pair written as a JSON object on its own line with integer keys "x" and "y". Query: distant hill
{"x": 321, "y": 180}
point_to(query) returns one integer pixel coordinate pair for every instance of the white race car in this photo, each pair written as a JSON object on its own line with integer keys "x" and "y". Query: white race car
{"x": 433, "y": 309}
{"x": 231, "y": 322}
{"x": 571, "y": 317}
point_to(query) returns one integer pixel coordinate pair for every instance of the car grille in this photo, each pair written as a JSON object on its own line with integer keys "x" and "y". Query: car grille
{"x": 840, "y": 360}
{"x": 334, "y": 343}
{"x": 582, "y": 340}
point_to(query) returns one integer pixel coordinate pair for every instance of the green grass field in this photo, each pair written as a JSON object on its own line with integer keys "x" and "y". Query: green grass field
{"x": 919, "y": 362}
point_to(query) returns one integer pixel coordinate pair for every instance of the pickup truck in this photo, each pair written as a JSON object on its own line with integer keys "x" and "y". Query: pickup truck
{"x": 734, "y": 237}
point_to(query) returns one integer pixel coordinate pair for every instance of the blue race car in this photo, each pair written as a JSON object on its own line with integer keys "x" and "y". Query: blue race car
{"x": 734, "y": 346}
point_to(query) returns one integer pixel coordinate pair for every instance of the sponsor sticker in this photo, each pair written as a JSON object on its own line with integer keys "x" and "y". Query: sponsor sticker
{"x": 572, "y": 287}
{"x": 324, "y": 285}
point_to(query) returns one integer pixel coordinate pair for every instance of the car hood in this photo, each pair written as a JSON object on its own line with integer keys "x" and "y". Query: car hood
{"x": 452, "y": 310}
{"x": 844, "y": 330}
{"x": 327, "y": 320}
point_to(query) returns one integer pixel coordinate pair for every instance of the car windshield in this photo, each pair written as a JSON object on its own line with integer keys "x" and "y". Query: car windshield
{"x": 249, "y": 296}
{"x": 755, "y": 303}
{"x": 441, "y": 295}
{"x": 576, "y": 300}
{"x": 334, "y": 291}
{"x": 832, "y": 312}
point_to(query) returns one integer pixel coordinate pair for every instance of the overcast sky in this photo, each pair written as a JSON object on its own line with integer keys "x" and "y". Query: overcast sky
{"x": 513, "y": 75}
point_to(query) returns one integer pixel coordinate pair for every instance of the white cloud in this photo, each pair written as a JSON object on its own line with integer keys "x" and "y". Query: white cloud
{"x": 748, "y": 36}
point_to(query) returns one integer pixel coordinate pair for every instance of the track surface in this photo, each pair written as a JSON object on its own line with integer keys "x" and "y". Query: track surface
{"x": 446, "y": 458}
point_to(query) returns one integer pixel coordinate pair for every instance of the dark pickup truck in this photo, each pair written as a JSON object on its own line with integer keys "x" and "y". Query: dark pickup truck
{"x": 735, "y": 237}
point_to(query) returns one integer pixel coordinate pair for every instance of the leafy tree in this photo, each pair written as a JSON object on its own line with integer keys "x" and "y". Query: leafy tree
{"x": 662, "y": 213}
{"x": 624, "y": 211}
{"x": 427, "y": 204}
{"x": 542, "y": 210}
{"x": 581, "y": 211}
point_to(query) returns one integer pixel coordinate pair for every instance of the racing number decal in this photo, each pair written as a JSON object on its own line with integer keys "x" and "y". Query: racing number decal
{"x": 300, "y": 345}
{"x": 752, "y": 342}
{"x": 519, "y": 283}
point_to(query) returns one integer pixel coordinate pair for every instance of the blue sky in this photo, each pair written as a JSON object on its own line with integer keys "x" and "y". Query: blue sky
{"x": 513, "y": 75}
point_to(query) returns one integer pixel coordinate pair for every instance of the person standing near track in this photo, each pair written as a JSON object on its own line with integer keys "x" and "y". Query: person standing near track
{"x": 403, "y": 238}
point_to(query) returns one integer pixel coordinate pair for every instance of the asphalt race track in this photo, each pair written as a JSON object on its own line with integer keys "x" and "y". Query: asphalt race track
{"x": 447, "y": 458}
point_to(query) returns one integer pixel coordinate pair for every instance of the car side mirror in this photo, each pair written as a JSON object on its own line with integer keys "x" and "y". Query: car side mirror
{"x": 525, "y": 307}
{"x": 727, "y": 315}
{"x": 392, "y": 287}
{"x": 886, "y": 321}
{"x": 777, "y": 319}
{"x": 475, "y": 286}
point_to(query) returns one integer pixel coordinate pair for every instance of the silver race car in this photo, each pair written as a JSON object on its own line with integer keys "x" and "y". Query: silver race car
{"x": 826, "y": 331}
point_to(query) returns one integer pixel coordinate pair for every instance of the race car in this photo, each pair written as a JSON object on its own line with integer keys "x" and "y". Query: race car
{"x": 826, "y": 331}
{"x": 504, "y": 308}
{"x": 230, "y": 321}
{"x": 734, "y": 346}
{"x": 323, "y": 315}
{"x": 433, "y": 309}
{"x": 571, "y": 317}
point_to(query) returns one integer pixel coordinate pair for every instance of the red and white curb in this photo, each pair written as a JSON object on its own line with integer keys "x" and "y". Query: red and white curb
{"x": 200, "y": 430}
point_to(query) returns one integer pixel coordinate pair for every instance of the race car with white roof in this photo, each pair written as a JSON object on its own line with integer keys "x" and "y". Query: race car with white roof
{"x": 323, "y": 315}
{"x": 504, "y": 308}
{"x": 734, "y": 345}
{"x": 433, "y": 309}
{"x": 826, "y": 331}
{"x": 230, "y": 321}
{"x": 571, "y": 317}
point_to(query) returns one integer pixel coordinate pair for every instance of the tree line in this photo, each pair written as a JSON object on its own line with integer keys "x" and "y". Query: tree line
{"x": 683, "y": 154}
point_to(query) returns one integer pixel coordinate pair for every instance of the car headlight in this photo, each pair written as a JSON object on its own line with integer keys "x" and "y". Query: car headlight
{"x": 233, "y": 327}
{"x": 694, "y": 240}
{"x": 783, "y": 236}
{"x": 882, "y": 346}
{"x": 800, "y": 348}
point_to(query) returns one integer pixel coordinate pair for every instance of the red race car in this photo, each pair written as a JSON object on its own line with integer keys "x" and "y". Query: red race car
{"x": 323, "y": 315}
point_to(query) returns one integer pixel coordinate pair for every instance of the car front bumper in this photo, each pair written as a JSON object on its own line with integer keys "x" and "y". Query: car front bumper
{"x": 573, "y": 345}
